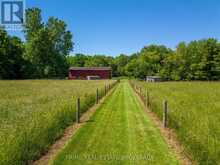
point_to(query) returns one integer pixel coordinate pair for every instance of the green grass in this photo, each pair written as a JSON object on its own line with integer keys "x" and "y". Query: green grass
{"x": 33, "y": 114}
{"x": 194, "y": 113}
{"x": 118, "y": 133}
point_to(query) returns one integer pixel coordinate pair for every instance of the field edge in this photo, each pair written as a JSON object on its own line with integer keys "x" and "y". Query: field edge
{"x": 70, "y": 131}
{"x": 167, "y": 133}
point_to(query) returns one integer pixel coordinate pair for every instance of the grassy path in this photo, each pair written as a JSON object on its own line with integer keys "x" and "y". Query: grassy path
{"x": 118, "y": 133}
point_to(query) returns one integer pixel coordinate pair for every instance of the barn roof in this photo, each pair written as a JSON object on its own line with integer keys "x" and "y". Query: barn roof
{"x": 90, "y": 68}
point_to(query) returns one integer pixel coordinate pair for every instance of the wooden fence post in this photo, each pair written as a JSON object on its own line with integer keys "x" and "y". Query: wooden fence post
{"x": 97, "y": 96}
{"x": 105, "y": 90}
{"x": 78, "y": 110}
{"x": 147, "y": 99}
{"x": 165, "y": 114}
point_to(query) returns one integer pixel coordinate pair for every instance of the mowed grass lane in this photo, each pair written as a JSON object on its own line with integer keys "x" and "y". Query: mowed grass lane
{"x": 118, "y": 133}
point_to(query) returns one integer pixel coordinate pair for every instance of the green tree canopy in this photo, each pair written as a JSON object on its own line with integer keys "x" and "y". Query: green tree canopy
{"x": 47, "y": 45}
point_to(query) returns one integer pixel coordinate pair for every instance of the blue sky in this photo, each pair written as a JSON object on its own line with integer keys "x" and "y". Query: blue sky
{"x": 112, "y": 27}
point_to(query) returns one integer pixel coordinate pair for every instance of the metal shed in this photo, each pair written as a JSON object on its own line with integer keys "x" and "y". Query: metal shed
{"x": 154, "y": 79}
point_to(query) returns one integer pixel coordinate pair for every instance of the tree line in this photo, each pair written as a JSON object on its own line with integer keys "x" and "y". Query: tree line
{"x": 42, "y": 55}
{"x": 197, "y": 60}
{"x": 45, "y": 54}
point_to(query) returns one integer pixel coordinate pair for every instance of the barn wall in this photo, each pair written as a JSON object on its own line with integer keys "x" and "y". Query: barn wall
{"x": 82, "y": 74}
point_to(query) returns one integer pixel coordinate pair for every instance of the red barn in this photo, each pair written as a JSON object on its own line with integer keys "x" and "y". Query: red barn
{"x": 89, "y": 73}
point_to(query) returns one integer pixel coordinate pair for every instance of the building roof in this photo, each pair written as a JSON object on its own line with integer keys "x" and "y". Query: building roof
{"x": 90, "y": 68}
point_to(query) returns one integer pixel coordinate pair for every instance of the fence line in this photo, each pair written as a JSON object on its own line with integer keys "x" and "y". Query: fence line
{"x": 146, "y": 99}
{"x": 100, "y": 93}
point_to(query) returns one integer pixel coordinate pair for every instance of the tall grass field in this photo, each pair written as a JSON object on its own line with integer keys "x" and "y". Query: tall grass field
{"x": 33, "y": 114}
{"x": 194, "y": 113}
